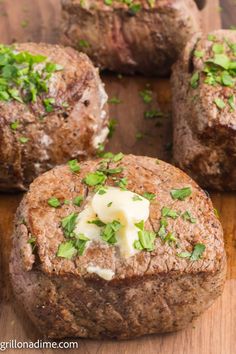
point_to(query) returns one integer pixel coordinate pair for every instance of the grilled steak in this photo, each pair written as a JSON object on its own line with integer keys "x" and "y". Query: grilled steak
{"x": 160, "y": 289}
{"x": 203, "y": 85}
{"x": 50, "y": 111}
{"x": 144, "y": 37}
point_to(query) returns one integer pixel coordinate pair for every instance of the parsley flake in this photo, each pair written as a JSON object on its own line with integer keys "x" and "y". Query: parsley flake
{"x": 181, "y": 194}
{"x": 54, "y": 202}
{"x": 74, "y": 165}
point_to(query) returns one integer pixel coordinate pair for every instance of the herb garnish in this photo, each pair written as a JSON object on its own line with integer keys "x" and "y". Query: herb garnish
{"x": 162, "y": 230}
{"x": 181, "y": 194}
{"x": 136, "y": 198}
{"x": 114, "y": 100}
{"x": 21, "y": 79}
{"x": 112, "y": 127}
{"x": 74, "y": 165}
{"x": 76, "y": 243}
{"x": 149, "y": 196}
{"x": 122, "y": 183}
{"x": 67, "y": 250}
{"x": 188, "y": 217}
{"x": 108, "y": 234}
{"x": 32, "y": 242}
{"x": 146, "y": 238}
{"x": 97, "y": 222}
{"x": 15, "y": 125}
{"x": 153, "y": 113}
{"x": 95, "y": 178}
{"x": 170, "y": 238}
{"x": 219, "y": 69}
{"x": 78, "y": 200}
{"x": 165, "y": 211}
{"x": 68, "y": 224}
{"x": 54, "y": 202}
{"x": 146, "y": 96}
{"x": 23, "y": 140}
{"x": 196, "y": 254}
{"x": 194, "y": 80}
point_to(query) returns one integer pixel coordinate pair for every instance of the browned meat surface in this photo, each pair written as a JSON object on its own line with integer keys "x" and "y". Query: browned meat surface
{"x": 120, "y": 39}
{"x": 73, "y": 129}
{"x": 204, "y": 110}
{"x": 151, "y": 292}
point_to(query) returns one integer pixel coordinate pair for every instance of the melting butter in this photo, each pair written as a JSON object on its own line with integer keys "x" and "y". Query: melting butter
{"x": 115, "y": 204}
{"x": 103, "y": 273}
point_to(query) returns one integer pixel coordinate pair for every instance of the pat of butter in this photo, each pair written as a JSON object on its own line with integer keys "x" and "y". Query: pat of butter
{"x": 104, "y": 273}
{"x": 115, "y": 204}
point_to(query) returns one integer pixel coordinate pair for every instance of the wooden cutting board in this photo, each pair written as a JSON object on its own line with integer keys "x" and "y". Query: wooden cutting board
{"x": 214, "y": 332}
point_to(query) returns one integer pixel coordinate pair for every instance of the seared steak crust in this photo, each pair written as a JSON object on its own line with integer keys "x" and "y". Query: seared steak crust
{"x": 72, "y": 130}
{"x": 151, "y": 292}
{"x": 204, "y": 134}
{"x": 147, "y": 42}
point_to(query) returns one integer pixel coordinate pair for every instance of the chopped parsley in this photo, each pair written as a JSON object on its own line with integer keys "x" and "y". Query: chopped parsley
{"x": 170, "y": 238}
{"x": 76, "y": 243}
{"x": 196, "y": 254}
{"x": 24, "y": 23}
{"x": 23, "y": 140}
{"x": 219, "y": 103}
{"x": 102, "y": 190}
{"x": 67, "y": 250}
{"x": 146, "y": 96}
{"x": 165, "y": 211}
{"x": 146, "y": 238}
{"x": 134, "y": 8}
{"x": 181, "y": 194}
{"x": 198, "y": 250}
{"x": 153, "y": 113}
{"x": 188, "y": 217}
{"x": 216, "y": 213}
{"x": 82, "y": 43}
{"x": 48, "y": 104}
{"x": 114, "y": 100}
{"x": 78, "y": 200}
{"x": 74, "y": 165}
{"x": 95, "y": 178}
{"x": 15, "y": 125}
{"x": 198, "y": 53}
{"x": 22, "y": 78}
{"x": 194, "y": 80}
{"x": 211, "y": 37}
{"x": 108, "y": 234}
{"x": 149, "y": 196}
{"x": 111, "y": 171}
{"x": 162, "y": 232}
{"x": 112, "y": 127}
{"x": 231, "y": 102}
{"x": 218, "y": 70}
{"x": 122, "y": 183}
{"x": 32, "y": 242}
{"x": 97, "y": 222}
{"x": 118, "y": 157}
{"x": 136, "y": 198}
{"x": 68, "y": 224}
{"x": 80, "y": 243}
{"x": 139, "y": 135}
{"x": 54, "y": 202}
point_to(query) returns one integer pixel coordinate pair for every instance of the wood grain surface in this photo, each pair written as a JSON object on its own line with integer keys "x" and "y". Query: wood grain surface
{"x": 214, "y": 332}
